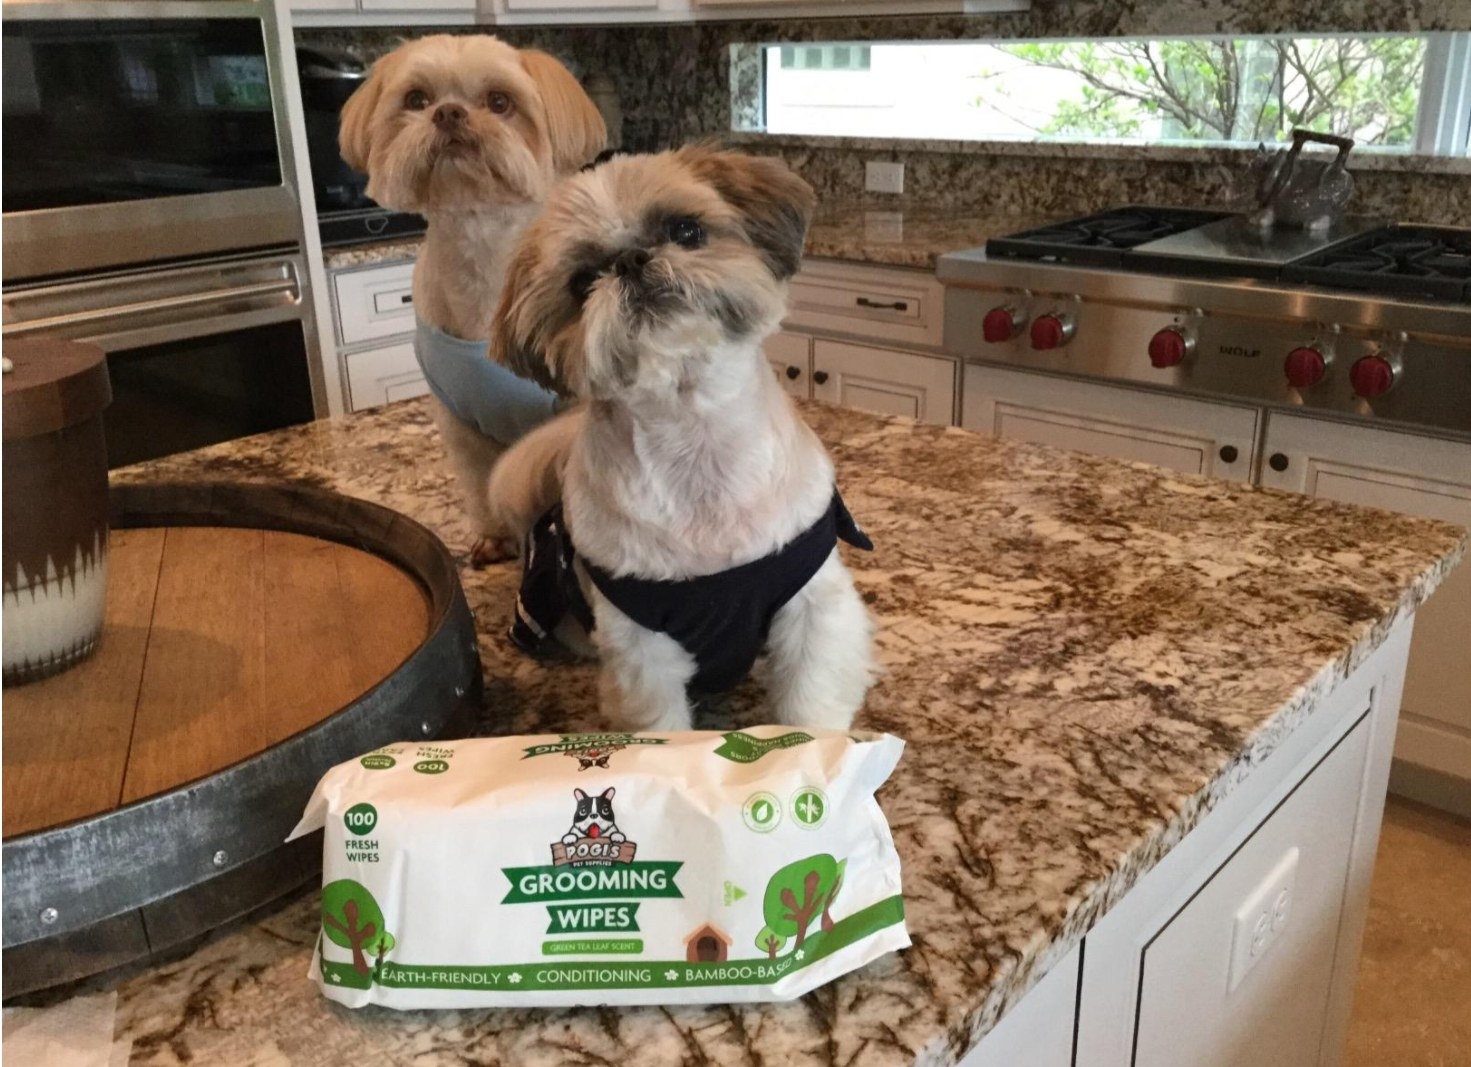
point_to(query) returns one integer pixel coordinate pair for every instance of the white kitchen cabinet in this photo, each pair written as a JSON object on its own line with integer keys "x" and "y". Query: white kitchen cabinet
{"x": 1287, "y": 857}
{"x": 884, "y": 380}
{"x": 382, "y": 12}
{"x": 1250, "y": 944}
{"x": 1191, "y": 436}
{"x": 590, "y": 12}
{"x": 790, "y": 356}
{"x": 383, "y": 375}
{"x": 892, "y": 305}
{"x": 1417, "y": 476}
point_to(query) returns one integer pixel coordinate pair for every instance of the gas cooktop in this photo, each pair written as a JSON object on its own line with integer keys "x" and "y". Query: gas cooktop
{"x": 1364, "y": 321}
{"x": 1360, "y": 255}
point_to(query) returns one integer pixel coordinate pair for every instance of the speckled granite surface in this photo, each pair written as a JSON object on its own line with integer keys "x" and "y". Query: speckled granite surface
{"x": 897, "y": 234}
{"x": 1083, "y": 655}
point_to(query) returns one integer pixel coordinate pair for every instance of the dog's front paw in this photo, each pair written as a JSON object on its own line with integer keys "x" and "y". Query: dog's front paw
{"x": 569, "y": 839}
{"x": 488, "y": 550}
{"x": 616, "y": 838}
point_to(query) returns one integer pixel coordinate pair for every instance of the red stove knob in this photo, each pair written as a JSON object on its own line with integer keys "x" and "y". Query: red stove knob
{"x": 1372, "y": 376}
{"x": 1002, "y": 324}
{"x": 1052, "y": 331}
{"x": 1169, "y": 347}
{"x": 1306, "y": 367}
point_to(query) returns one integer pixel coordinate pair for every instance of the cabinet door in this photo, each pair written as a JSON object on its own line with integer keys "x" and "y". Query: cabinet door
{"x": 1191, "y": 436}
{"x": 323, "y": 5}
{"x": 789, "y": 356}
{"x": 383, "y": 375}
{"x": 1417, "y": 476}
{"x": 1241, "y": 974}
{"x": 885, "y": 381}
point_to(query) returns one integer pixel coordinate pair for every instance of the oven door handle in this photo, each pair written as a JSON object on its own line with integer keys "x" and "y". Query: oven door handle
{"x": 118, "y": 316}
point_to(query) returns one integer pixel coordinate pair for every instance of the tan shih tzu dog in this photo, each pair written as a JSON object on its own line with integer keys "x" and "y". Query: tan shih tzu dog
{"x": 472, "y": 134}
{"x": 698, "y": 516}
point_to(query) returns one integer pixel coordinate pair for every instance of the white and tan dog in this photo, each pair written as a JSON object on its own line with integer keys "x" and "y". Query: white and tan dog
{"x": 702, "y": 508}
{"x": 472, "y": 134}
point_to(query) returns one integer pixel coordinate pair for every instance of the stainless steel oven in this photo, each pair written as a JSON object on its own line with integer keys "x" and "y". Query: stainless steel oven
{"x": 142, "y": 131}
{"x": 198, "y": 354}
{"x": 150, "y": 207}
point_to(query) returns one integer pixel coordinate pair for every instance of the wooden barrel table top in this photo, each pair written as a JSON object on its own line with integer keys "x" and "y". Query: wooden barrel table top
{"x": 217, "y": 644}
{"x": 254, "y": 637}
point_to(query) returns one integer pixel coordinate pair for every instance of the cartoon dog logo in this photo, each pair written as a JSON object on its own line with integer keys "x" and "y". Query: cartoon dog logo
{"x": 593, "y": 818}
{"x": 588, "y": 758}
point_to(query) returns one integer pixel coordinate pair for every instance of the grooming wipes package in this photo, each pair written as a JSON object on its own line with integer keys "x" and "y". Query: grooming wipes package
{"x": 614, "y": 868}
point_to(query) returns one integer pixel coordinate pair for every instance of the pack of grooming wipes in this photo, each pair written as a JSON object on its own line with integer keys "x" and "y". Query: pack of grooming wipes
{"x": 616, "y": 868}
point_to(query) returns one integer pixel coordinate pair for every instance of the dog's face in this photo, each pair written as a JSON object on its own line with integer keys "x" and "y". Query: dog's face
{"x": 644, "y": 273}
{"x": 594, "y": 815}
{"x": 450, "y": 122}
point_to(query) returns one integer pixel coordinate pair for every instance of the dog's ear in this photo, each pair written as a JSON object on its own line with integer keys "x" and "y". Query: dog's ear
{"x": 608, "y": 793}
{"x": 579, "y": 794}
{"x": 354, "y": 135}
{"x": 775, "y": 204}
{"x": 574, "y": 127}
{"x": 518, "y": 335}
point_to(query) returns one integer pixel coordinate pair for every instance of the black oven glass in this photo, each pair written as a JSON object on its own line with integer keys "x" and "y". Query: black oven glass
{"x": 106, "y": 111}
{"x": 182, "y": 395}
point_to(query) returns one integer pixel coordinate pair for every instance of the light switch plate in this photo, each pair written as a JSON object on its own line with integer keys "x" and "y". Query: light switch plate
{"x": 1261, "y": 918}
{"x": 882, "y": 177}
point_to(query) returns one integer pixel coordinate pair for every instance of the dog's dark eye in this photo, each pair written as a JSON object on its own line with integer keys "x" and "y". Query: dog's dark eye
{"x": 499, "y": 103}
{"x": 685, "y": 232}
{"x": 416, "y": 100}
{"x": 581, "y": 285}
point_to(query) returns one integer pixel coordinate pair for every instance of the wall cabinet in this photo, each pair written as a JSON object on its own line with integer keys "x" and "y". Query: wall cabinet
{"x": 595, "y": 12}
{"x": 1385, "y": 469}
{"x": 1191, "y": 436}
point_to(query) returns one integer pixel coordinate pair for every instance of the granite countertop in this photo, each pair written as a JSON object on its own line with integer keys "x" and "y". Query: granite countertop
{"x": 1085, "y": 657}
{"x": 892, "y": 233}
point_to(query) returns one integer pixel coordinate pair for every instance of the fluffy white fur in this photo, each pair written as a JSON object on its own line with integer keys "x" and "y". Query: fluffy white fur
{"x": 689, "y": 459}
{"x": 478, "y": 180}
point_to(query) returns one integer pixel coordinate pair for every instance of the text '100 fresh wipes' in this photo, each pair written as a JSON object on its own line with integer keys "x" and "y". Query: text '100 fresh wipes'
{"x": 697, "y": 867}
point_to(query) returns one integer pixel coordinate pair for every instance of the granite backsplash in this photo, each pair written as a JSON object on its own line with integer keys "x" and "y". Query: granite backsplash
{"x": 675, "y": 83}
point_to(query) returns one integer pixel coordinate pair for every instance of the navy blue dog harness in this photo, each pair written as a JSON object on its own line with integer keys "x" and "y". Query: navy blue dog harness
{"x": 720, "y": 619}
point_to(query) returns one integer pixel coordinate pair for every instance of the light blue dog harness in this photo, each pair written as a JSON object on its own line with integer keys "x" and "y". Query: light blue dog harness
{"x": 476, "y": 389}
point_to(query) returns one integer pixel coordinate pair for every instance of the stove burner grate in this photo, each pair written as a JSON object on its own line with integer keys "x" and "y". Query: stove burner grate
{"x": 1101, "y": 239}
{"x": 1427, "y": 261}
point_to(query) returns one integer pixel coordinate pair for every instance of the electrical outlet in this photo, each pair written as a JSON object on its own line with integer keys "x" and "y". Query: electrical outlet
{"x": 1261, "y": 918}
{"x": 883, "y": 177}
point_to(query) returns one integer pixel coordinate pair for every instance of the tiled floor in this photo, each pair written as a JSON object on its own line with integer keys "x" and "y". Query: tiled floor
{"x": 1412, "y": 1007}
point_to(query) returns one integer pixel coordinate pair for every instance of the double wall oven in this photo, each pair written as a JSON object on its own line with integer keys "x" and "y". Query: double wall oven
{"x": 150, "y": 207}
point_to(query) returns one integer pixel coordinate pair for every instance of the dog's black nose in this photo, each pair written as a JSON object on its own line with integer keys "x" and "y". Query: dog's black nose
{"x": 449, "y": 115}
{"x": 631, "y": 261}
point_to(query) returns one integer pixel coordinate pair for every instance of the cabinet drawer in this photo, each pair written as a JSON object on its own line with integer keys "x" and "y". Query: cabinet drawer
{"x": 374, "y": 304}
{"x": 383, "y": 375}
{"x": 895, "y": 305}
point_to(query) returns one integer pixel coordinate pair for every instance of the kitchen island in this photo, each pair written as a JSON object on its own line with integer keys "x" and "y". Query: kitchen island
{"x": 1109, "y": 676}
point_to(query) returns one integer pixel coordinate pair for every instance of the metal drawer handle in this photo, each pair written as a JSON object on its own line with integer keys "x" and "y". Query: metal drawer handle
{"x": 897, "y": 305}
{"x": 794, "y": 373}
{"x": 407, "y": 298}
{"x": 820, "y": 377}
{"x": 1277, "y": 461}
{"x": 147, "y": 307}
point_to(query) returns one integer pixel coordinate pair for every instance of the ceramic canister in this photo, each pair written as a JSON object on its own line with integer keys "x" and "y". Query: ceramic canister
{"x": 55, "y": 505}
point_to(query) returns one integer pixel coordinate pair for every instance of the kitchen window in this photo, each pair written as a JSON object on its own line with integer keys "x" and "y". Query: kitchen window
{"x": 1390, "y": 93}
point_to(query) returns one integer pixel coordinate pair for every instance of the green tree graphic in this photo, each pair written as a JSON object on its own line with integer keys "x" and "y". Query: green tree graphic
{"x": 352, "y": 920}
{"x": 770, "y": 942}
{"x": 797, "y": 893}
